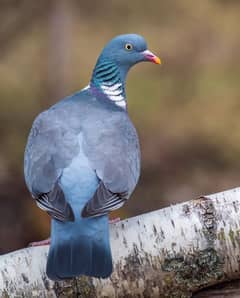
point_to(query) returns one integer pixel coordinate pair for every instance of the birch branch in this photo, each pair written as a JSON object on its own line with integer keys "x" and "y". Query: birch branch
{"x": 172, "y": 252}
{"x": 225, "y": 290}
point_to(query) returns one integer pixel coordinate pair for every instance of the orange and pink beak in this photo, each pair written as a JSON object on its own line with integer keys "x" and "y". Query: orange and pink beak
{"x": 149, "y": 56}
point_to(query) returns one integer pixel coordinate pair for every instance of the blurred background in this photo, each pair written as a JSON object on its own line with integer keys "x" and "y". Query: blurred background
{"x": 186, "y": 110}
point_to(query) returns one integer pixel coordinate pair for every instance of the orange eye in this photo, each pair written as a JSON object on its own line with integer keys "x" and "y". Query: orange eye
{"x": 128, "y": 46}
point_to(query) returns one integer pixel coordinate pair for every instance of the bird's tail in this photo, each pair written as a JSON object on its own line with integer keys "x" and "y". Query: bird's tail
{"x": 80, "y": 247}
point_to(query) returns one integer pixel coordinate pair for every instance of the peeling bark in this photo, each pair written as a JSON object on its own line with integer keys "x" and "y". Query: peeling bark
{"x": 172, "y": 252}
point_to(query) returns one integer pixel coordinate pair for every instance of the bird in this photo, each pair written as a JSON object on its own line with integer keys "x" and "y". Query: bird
{"x": 82, "y": 160}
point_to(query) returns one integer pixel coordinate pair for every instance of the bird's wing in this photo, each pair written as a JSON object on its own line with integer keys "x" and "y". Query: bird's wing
{"x": 115, "y": 155}
{"x": 50, "y": 148}
{"x": 55, "y": 204}
{"x": 103, "y": 201}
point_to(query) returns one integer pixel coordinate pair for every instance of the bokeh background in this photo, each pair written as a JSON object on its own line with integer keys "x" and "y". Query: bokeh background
{"x": 186, "y": 111}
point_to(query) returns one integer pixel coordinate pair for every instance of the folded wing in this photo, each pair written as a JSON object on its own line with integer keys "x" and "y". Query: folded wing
{"x": 51, "y": 147}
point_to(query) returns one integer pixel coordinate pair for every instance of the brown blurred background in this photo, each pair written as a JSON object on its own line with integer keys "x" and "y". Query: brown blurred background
{"x": 186, "y": 111}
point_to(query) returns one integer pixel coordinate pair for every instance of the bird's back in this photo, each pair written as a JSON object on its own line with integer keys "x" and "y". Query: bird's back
{"x": 78, "y": 142}
{"x": 107, "y": 137}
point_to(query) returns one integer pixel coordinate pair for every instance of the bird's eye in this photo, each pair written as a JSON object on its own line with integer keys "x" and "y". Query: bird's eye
{"x": 128, "y": 46}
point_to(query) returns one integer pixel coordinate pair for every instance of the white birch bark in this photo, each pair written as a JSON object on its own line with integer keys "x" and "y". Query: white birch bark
{"x": 172, "y": 252}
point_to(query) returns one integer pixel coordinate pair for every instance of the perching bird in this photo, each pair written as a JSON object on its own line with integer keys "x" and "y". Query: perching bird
{"x": 82, "y": 160}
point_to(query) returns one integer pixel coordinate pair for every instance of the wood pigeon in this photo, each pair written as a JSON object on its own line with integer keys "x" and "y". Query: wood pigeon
{"x": 82, "y": 160}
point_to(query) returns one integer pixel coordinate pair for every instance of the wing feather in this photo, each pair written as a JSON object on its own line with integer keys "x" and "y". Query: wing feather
{"x": 55, "y": 204}
{"x": 103, "y": 201}
{"x": 51, "y": 147}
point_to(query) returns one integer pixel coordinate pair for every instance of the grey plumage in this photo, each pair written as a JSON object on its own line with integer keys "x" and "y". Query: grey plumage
{"x": 103, "y": 202}
{"x": 109, "y": 141}
{"x": 82, "y": 160}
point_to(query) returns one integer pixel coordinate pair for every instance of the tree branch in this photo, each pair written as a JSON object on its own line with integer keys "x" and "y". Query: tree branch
{"x": 227, "y": 289}
{"x": 172, "y": 252}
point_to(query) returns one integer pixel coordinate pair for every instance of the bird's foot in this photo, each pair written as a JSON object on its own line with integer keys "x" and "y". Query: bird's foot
{"x": 40, "y": 243}
{"x": 114, "y": 220}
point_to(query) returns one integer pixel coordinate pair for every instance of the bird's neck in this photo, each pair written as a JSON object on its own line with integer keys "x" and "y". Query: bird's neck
{"x": 109, "y": 80}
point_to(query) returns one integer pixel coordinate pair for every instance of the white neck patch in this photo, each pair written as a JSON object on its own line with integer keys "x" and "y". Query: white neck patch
{"x": 115, "y": 93}
{"x": 86, "y": 88}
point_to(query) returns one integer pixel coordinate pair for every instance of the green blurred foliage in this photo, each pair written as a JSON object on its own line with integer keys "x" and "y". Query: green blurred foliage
{"x": 186, "y": 111}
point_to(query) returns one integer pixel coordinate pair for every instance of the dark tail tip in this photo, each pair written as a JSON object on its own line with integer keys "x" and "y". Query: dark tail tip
{"x": 76, "y": 257}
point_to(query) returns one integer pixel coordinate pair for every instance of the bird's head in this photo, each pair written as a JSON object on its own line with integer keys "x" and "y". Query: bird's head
{"x": 127, "y": 50}
{"x": 113, "y": 64}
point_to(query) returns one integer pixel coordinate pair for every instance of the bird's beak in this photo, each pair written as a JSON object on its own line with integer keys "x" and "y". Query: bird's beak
{"x": 149, "y": 56}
